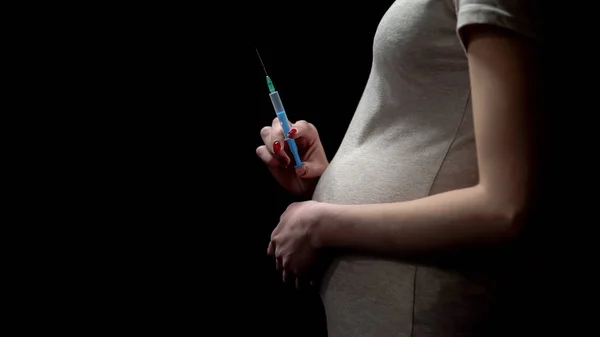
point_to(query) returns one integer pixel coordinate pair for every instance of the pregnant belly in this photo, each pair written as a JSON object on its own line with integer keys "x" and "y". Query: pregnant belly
{"x": 357, "y": 177}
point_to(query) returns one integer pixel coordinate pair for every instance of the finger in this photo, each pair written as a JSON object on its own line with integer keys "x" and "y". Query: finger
{"x": 277, "y": 128}
{"x": 289, "y": 278}
{"x": 287, "y": 274}
{"x": 309, "y": 170}
{"x": 271, "y": 248}
{"x": 276, "y": 142}
{"x": 277, "y": 229}
{"x": 278, "y": 264}
{"x": 303, "y": 129}
{"x": 267, "y": 157}
{"x": 265, "y": 135}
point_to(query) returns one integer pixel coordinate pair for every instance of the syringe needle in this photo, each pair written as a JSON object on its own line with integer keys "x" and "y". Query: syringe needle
{"x": 269, "y": 82}
{"x": 261, "y": 62}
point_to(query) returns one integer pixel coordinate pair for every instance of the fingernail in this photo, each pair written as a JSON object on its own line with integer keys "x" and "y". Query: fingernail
{"x": 292, "y": 132}
{"x": 276, "y": 147}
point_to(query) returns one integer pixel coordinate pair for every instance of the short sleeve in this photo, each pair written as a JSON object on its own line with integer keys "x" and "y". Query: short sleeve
{"x": 519, "y": 16}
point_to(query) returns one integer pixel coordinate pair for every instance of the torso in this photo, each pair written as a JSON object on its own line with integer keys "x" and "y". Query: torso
{"x": 411, "y": 136}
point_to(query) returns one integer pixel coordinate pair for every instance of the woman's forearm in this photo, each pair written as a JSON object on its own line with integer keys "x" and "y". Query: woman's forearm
{"x": 447, "y": 220}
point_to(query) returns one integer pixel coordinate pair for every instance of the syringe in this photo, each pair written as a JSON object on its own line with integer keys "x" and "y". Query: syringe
{"x": 280, "y": 112}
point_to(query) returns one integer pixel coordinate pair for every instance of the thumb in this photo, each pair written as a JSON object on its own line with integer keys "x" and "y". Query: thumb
{"x": 309, "y": 170}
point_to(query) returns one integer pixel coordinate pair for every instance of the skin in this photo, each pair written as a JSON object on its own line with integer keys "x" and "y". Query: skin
{"x": 300, "y": 181}
{"x": 503, "y": 75}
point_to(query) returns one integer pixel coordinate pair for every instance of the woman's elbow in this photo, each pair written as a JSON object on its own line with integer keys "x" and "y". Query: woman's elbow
{"x": 509, "y": 212}
{"x": 514, "y": 220}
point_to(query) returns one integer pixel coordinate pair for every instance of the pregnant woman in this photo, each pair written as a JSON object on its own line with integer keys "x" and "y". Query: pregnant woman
{"x": 432, "y": 181}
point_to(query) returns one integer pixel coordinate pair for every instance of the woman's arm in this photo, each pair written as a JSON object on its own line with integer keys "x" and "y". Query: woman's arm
{"x": 504, "y": 94}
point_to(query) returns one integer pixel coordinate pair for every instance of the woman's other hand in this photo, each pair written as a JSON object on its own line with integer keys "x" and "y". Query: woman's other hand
{"x": 276, "y": 155}
{"x": 293, "y": 244}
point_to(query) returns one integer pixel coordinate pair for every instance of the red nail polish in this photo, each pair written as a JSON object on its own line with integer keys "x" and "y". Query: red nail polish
{"x": 276, "y": 147}
{"x": 292, "y": 132}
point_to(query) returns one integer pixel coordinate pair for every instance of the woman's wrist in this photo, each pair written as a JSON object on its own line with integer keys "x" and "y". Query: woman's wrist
{"x": 322, "y": 224}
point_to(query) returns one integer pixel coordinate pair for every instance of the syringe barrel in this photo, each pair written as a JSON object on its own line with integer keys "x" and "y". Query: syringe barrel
{"x": 277, "y": 105}
{"x": 285, "y": 125}
{"x": 280, "y": 111}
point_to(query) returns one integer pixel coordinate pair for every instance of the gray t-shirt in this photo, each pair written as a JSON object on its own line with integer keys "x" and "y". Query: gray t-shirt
{"x": 412, "y": 136}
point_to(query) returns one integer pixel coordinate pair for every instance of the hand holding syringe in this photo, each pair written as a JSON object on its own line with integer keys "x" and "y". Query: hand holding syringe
{"x": 304, "y": 146}
{"x": 280, "y": 112}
